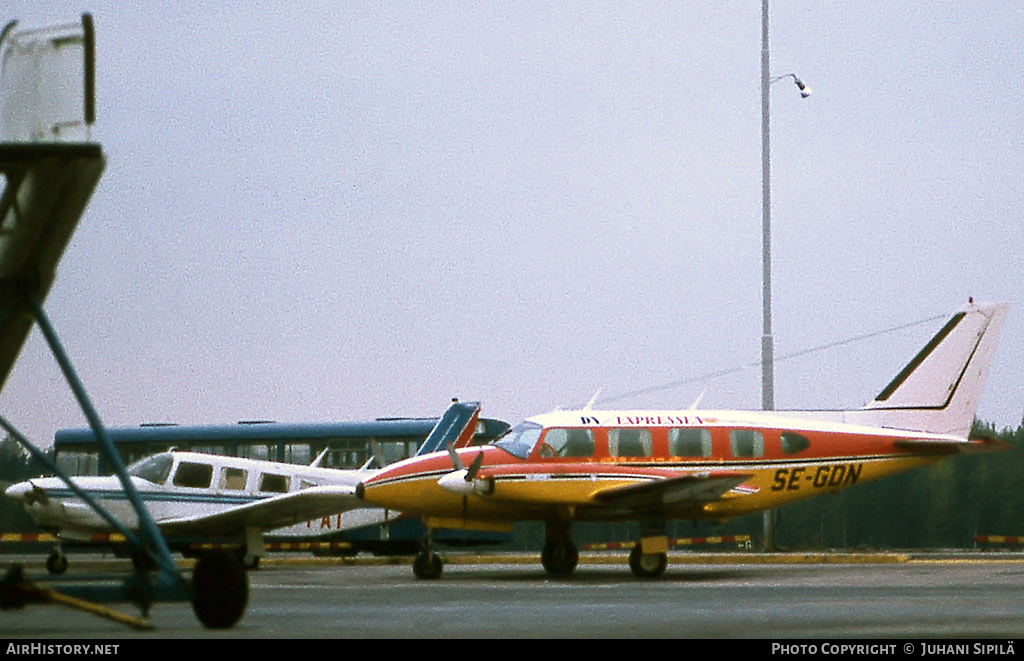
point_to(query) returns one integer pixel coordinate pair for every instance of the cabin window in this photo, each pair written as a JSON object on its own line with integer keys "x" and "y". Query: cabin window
{"x": 793, "y": 442}
{"x": 568, "y": 443}
{"x": 746, "y": 443}
{"x": 234, "y": 479}
{"x": 152, "y": 469}
{"x": 519, "y": 440}
{"x": 274, "y": 483}
{"x": 629, "y": 442}
{"x": 689, "y": 442}
{"x": 196, "y": 476}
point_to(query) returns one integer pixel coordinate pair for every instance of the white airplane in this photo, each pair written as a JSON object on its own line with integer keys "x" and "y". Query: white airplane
{"x": 194, "y": 496}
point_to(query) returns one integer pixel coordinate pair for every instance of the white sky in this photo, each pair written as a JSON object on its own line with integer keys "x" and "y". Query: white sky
{"x": 332, "y": 211}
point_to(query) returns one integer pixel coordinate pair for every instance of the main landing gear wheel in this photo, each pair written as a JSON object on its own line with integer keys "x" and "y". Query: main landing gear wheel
{"x": 427, "y": 565}
{"x": 559, "y": 557}
{"x": 220, "y": 590}
{"x": 650, "y": 565}
{"x": 56, "y": 563}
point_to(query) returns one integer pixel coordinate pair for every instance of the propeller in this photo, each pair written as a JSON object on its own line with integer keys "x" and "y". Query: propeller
{"x": 38, "y": 496}
{"x": 27, "y": 492}
{"x": 464, "y": 480}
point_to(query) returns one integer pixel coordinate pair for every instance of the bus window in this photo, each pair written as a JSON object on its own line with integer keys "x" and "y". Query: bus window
{"x": 344, "y": 459}
{"x": 297, "y": 453}
{"x": 629, "y": 442}
{"x": 254, "y": 451}
{"x": 79, "y": 463}
{"x": 393, "y": 451}
{"x": 209, "y": 449}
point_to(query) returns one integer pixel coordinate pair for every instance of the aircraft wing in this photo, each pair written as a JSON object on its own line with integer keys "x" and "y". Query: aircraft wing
{"x": 676, "y": 491}
{"x": 269, "y": 513}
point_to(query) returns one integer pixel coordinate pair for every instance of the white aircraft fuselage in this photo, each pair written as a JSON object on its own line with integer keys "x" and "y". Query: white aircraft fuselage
{"x": 191, "y": 494}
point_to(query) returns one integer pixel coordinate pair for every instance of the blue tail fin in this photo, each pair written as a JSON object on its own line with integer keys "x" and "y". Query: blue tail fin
{"x": 456, "y": 427}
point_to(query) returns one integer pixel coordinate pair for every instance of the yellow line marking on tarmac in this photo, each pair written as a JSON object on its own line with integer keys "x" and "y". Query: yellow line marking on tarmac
{"x": 967, "y": 561}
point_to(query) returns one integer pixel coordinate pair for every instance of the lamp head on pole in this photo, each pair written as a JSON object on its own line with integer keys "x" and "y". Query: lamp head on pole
{"x": 805, "y": 91}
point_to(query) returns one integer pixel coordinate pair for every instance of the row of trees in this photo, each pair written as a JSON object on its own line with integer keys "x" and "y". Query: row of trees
{"x": 941, "y": 506}
{"x": 944, "y": 505}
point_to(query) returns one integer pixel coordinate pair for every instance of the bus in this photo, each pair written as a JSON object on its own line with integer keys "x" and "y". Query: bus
{"x": 347, "y": 444}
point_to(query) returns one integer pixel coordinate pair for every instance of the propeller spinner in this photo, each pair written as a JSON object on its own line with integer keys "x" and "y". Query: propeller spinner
{"x": 464, "y": 481}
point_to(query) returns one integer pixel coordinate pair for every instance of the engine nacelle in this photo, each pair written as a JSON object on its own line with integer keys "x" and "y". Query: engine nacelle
{"x": 457, "y": 483}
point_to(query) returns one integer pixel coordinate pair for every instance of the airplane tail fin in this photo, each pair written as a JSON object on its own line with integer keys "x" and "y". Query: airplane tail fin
{"x": 456, "y": 427}
{"x": 938, "y": 391}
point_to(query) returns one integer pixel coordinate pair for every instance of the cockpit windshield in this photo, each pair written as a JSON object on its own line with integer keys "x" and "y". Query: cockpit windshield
{"x": 153, "y": 469}
{"x": 519, "y": 440}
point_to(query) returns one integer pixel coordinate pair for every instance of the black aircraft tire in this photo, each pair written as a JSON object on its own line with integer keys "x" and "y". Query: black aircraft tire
{"x": 559, "y": 557}
{"x": 427, "y": 565}
{"x": 652, "y": 565}
{"x": 220, "y": 590}
{"x": 56, "y": 563}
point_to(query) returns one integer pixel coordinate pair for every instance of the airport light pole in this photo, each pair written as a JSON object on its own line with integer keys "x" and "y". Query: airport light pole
{"x": 767, "y": 341}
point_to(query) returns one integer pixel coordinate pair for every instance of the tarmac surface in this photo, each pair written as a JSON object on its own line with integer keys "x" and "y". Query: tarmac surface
{"x": 894, "y": 596}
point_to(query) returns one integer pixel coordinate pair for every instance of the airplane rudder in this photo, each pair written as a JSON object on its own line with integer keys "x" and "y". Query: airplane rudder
{"x": 940, "y": 388}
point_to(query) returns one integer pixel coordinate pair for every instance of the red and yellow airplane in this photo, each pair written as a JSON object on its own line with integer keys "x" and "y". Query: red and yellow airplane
{"x": 652, "y": 466}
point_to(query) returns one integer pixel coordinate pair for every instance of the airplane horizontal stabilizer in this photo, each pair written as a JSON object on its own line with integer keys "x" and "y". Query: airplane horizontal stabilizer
{"x": 956, "y": 446}
{"x": 268, "y": 513}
